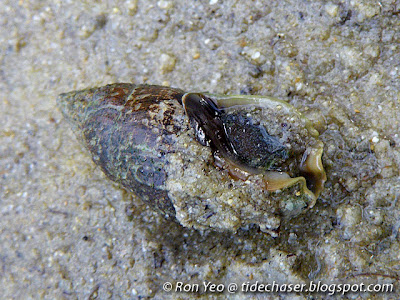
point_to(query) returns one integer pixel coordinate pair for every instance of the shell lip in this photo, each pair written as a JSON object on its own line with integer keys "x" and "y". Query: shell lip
{"x": 226, "y": 102}
{"x": 311, "y": 167}
{"x": 312, "y": 175}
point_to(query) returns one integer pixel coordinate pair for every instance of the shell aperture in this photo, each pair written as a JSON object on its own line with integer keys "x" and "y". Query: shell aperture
{"x": 209, "y": 161}
{"x": 234, "y": 135}
{"x": 234, "y": 131}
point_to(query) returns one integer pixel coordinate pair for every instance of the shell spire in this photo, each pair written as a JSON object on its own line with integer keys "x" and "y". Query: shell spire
{"x": 111, "y": 122}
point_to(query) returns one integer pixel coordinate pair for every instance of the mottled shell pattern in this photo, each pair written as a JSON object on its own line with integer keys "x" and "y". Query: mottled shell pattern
{"x": 210, "y": 161}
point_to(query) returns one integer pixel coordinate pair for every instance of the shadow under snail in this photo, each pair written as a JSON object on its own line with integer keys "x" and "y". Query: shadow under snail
{"x": 210, "y": 161}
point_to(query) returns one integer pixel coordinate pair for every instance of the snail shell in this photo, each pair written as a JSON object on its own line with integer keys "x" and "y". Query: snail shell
{"x": 210, "y": 161}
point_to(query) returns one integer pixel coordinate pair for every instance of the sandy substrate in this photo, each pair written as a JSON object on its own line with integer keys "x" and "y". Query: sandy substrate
{"x": 67, "y": 232}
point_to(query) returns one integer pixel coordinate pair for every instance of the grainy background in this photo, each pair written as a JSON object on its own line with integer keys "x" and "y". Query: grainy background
{"x": 66, "y": 232}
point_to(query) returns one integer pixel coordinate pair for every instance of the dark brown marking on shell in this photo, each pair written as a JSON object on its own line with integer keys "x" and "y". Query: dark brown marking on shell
{"x": 118, "y": 127}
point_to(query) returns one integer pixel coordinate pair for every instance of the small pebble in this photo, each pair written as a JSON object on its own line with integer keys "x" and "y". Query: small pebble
{"x": 165, "y": 4}
{"x": 131, "y": 5}
{"x": 375, "y": 139}
{"x": 331, "y": 9}
{"x": 167, "y": 63}
{"x": 255, "y": 55}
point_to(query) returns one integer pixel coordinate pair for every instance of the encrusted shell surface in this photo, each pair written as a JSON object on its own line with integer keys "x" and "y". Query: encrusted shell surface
{"x": 210, "y": 161}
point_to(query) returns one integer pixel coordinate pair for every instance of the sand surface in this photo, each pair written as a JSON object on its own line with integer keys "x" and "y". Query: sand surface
{"x": 67, "y": 232}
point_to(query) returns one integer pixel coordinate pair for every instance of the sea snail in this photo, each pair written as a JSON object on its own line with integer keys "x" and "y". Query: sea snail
{"x": 209, "y": 161}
